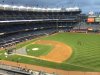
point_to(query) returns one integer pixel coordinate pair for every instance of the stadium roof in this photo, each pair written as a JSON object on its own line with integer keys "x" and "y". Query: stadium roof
{"x": 23, "y": 8}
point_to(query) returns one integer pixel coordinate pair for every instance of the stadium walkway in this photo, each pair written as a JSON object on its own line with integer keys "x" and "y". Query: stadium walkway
{"x": 45, "y": 69}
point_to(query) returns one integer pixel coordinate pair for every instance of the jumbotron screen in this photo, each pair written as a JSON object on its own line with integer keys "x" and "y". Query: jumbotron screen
{"x": 97, "y": 19}
{"x": 90, "y": 20}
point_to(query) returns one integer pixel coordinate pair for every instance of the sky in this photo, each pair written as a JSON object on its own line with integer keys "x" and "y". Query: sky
{"x": 85, "y": 5}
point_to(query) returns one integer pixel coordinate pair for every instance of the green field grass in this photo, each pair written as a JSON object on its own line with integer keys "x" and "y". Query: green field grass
{"x": 43, "y": 49}
{"x": 70, "y": 67}
{"x": 87, "y": 54}
{"x": 85, "y": 57}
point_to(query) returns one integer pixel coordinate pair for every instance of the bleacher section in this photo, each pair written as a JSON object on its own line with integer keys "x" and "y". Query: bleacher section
{"x": 12, "y": 39}
{"x": 85, "y": 27}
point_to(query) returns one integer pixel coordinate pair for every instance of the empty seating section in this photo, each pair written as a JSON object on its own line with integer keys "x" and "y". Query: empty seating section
{"x": 21, "y": 15}
{"x": 35, "y": 26}
{"x": 15, "y": 33}
{"x": 50, "y": 22}
{"x": 11, "y": 39}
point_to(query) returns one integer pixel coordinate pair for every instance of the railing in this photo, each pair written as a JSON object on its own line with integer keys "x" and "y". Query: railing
{"x": 22, "y": 71}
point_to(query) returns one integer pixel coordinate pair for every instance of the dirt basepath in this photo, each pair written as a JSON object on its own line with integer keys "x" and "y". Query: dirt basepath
{"x": 59, "y": 53}
{"x": 2, "y": 48}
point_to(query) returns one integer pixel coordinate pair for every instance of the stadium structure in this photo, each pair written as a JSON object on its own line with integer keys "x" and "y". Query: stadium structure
{"x": 57, "y": 49}
{"x": 19, "y": 23}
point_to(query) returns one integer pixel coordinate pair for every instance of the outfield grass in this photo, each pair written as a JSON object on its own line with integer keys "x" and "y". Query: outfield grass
{"x": 43, "y": 49}
{"x": 85, "y": 57}
{"x": 2, "y": 54}
{"x": 22, "y": 59}
{"x": 20, "y": 45}
{"x": 87, "y": 54}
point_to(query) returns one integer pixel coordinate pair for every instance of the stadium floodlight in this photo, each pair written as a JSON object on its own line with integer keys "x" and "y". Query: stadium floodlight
{"x": 59, "y": 9}
{"x": 48, "y": 9}
{"x": 2, "y": 6}
{"x": 39, "y": 9}
{"x": 34, "y": 8}
{"x": 29, "y": 8}
{"x": 6, "y": 6}
{"x": 77, "y": 8}
{"x": 1, "y": 33}
{"x": 54, "y": 9}
{"x": 43, "y": 9}
{"x": 22, "y": 8}
{"x": 72, "y": 9}
{"x": 14, "y": 7}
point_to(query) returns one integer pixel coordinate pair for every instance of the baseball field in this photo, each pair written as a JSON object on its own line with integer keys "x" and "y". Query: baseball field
{"x": 66, "y": 51}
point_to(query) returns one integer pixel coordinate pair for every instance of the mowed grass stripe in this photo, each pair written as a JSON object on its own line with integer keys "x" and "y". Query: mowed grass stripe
{"x": 64, "y": 66}
{"x": 88, "y": 50}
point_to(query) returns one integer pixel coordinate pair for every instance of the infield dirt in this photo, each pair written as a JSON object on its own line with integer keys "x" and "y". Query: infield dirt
{"x": 59, "y": 53}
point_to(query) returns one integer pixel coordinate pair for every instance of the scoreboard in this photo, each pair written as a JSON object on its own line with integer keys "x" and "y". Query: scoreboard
{"x": 97, "y": 19}
{"x": 90, "y": 20}
{"x": 93, "y": 19}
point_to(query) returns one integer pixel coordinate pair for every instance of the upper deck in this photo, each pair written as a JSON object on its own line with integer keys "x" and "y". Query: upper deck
{"x": 9, "y": 13}
{"x": 38, "y": 9}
